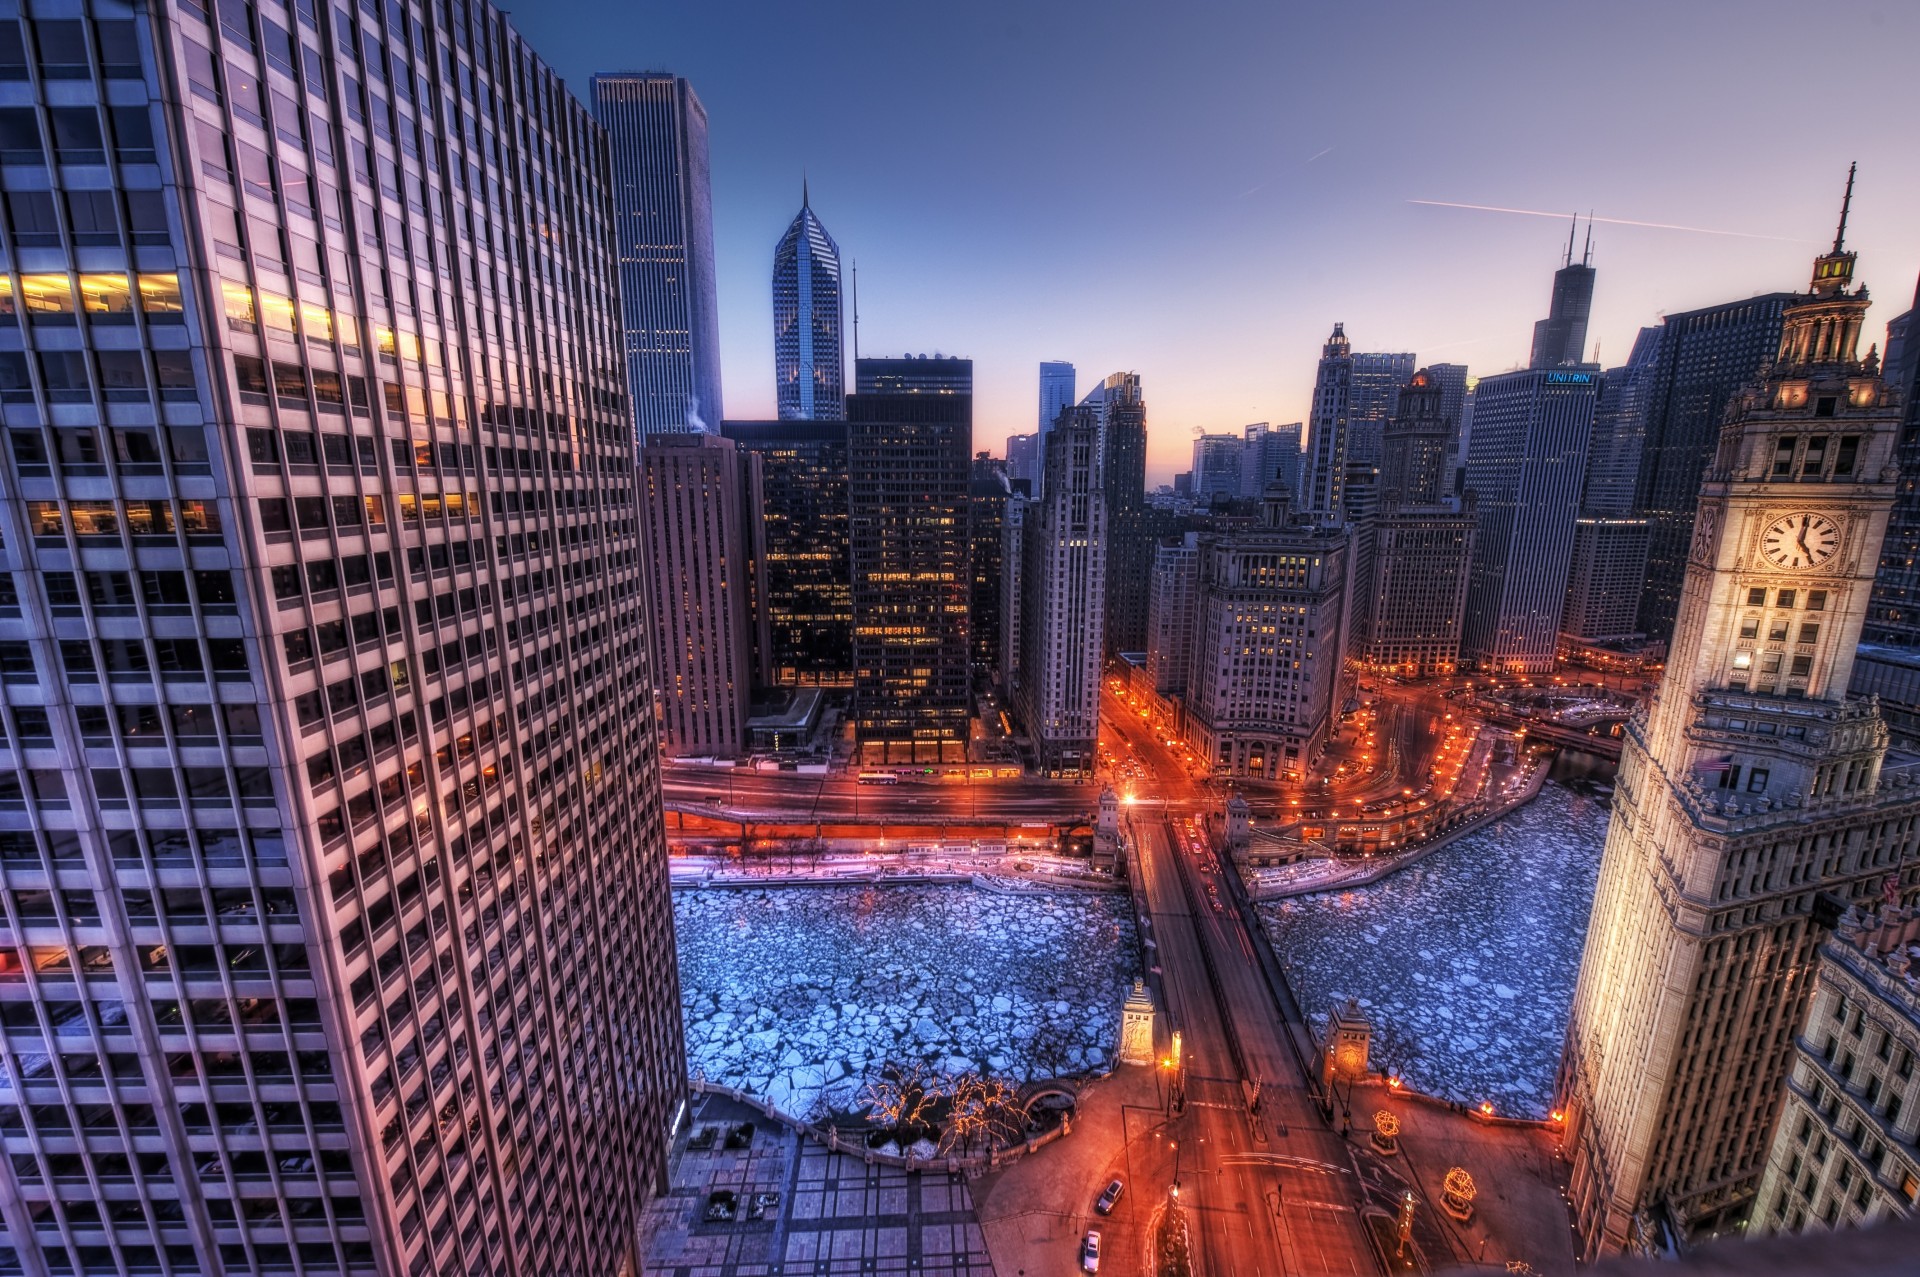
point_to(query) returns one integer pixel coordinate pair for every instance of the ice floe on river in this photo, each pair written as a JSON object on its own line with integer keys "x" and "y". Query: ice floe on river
{"x": 794, "y": 993}
{"x": 1465, "y": 963}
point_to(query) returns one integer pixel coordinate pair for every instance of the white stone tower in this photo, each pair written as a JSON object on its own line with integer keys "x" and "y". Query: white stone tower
{"x": 1750, "y": 804}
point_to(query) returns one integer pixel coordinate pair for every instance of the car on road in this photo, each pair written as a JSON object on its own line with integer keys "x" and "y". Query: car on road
{"x": 1090, "y": 1252}
{"x": 1109, "y": 1197}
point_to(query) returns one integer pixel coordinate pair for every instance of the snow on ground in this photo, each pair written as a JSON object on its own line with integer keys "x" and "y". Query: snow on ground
{"x": 1468, "y": 958}
{"x": 797, "y": 992}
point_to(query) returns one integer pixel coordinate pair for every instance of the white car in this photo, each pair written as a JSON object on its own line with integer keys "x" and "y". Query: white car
{"x": 1090, "y": 1252}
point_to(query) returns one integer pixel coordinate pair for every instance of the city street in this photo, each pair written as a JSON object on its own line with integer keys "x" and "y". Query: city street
{"x": 1268, "y": 1193}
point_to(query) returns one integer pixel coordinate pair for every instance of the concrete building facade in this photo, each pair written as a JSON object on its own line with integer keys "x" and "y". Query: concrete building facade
{"x": 330, "y": 809}
{"x": 1269, "y": 642}
{"x": 1751, "y": 805}
{"x": 1844, "y": 1149}
{"x": 698, "y": 491}
{"x": 1063, "y": 619}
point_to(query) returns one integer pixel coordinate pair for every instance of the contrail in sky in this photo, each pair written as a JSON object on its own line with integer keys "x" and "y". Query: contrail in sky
{"x": 1613, "y": 221}
{"x": 1259, "y": 186}
{"x": 1312, "y": 158}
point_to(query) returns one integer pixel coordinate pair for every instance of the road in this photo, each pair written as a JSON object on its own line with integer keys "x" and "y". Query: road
{"x": 1273, "y": 1193}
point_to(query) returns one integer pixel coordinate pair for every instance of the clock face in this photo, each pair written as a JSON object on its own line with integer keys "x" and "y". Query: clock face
{"x": 1800, "y": 540}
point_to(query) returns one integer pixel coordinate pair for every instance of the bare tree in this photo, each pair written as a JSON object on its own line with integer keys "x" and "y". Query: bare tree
{"x": 900, "y": 1095}
{"x": 984, "y": 1109}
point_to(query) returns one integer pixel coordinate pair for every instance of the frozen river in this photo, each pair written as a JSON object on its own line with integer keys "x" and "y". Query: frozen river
{"x": 1465, "y": 963}
{"x": 795, "y": 993}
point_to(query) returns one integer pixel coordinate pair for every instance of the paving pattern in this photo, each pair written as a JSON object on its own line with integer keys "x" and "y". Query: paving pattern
{"x": 825, "y": 1212}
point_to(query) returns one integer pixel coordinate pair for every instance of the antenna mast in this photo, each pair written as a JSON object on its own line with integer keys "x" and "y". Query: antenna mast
{"x": 856, "y": 310}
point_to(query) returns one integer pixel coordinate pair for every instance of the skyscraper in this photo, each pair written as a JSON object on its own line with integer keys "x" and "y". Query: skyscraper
{"x": 1750, "y": 805}
{"x": 1889, "y": 665}
{"x": 1354, "y": 396}
{"x": 909, "y": 462}
{"x": 1013, "y": 554}
{"x": 1414, "y": 594}
{"x": 699, "y": 492}
{"x": 987, "y": 497}
{"x": 1056, "y": 391}
{"x": 1023, "y": 459}
{"x": 1705, "y": 357}
{"x": 337, "y": 760}
{"x": 1271, "y": 454}
{"x": 1217, "y": 459}
{"x": 1062, "y": 619}
{"x": 1171, "y": 614}
{"x": 1373, "y": 394}
{"x": 1525, "y": 465}
{"x": 803, "y": 591}
{"x": 1122, "y": 414}
{"x": 663, "y": 220}
{"x": 1620, "y": 430}
{"x": 1326, "y": 466}
{"x": 809, "y": 361}
{"x": 1605, "y": 573}
{"x": 1269, "y": 641}
{"x": 1560, "y": 340}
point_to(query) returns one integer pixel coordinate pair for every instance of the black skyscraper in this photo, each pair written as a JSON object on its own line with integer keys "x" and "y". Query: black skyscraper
{"x": 1561, "y": 338}
{"x": 908, "y": 458}
{"x": 1129, "y": 564}
{"x": 802, "y": 591}
{"x": 1705, "y": 356}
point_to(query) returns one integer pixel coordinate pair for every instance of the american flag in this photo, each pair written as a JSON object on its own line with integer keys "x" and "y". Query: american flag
{"x": 1890, "y": 888}
{"x": 1715, "y": 764}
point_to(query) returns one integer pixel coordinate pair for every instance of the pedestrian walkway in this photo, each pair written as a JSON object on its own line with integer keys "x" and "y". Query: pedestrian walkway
{"x": 799, "y": 1209}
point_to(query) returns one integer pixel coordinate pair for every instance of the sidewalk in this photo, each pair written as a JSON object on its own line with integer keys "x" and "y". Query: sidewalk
{"x": 1035, "y": 1211}
{"x": 1520, "y": 1212}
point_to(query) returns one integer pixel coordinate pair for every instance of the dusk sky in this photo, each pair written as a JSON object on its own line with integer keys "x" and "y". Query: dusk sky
{"x": 1196, "y": 192}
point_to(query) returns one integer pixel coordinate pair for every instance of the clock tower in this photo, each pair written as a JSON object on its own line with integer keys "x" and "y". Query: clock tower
{"x": 1750, "y": 800}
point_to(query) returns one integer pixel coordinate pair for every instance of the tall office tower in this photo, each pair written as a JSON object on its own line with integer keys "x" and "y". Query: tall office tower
{"x": 1560, "y": 340}
{"x": 1023, "y": 459}
{"x": 909, "y": 449}
{"x": 698, "y": 494}
{"x": 1216, "y": 467}
{"x": 1463, "y": 439}
{"x": 1373, "y": 396}
{"x": 1416, "y": 586}
{"x": 1750, "y": 799}
{"x": 1705, "y": 358}
{"x": 663, "y": 221}
{"x": 1605, "y": 574}
{"x": 1843, "y": 1151}
{"x": 1524, "y": 471}
{"x": 332, "y": 832}
{"x": 809, "y": 363}
{"x": 1414, "y": 449}
{"x": 1889, "y": 664}
{"x": 1270, "y": 454}
{"x": 1013, "y": 556}
{"x": 1170, "y": 614}
{"x": 1452, "y": 380}
{"x": 987, "y": 496}
{"x": 1063, "y": 618}
{"x": 1269, "y": 640}
{"x": 1326, "y": 459}
{"x": 914, "y": 375}
{"x": 802, "y": 581}
{"x": 1620, "y": 431}
{"x": 1058, "y": 386}
{"x": 1123, "y": 467}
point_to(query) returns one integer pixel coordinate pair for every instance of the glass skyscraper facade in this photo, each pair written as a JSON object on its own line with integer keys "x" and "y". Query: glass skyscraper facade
{"x": 663, "y": 224}
{"x": 809, "y": 363}
{"x": 334, "y": 925}
{"x": 909, "y": 439}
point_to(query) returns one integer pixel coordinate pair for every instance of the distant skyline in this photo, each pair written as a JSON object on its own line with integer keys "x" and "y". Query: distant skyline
{"x": 1239, "y": 177}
